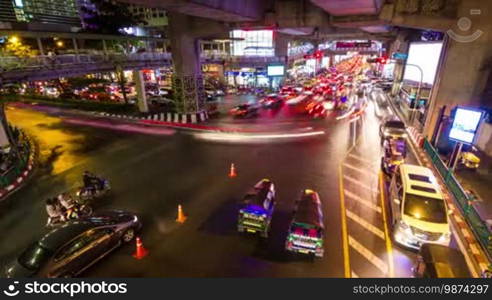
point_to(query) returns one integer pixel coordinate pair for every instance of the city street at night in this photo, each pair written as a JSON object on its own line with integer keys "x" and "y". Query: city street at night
{"x": 274, "y": 139}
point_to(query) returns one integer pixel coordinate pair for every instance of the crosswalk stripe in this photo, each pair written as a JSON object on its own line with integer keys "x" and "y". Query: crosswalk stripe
{"x": 360, "y": 170}
{"x": 363, "y": 201}
{"x": 367, "y": 254}
{"x": 362, "y": 159}
{"x": 354, "y": 217}
{"x": 355, "y": 181}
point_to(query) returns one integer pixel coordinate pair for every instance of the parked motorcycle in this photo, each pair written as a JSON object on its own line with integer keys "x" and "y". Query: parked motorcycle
{"x": 469, "y": 159}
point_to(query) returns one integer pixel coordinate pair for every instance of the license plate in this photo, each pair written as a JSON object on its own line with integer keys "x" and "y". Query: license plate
{"x": 251, "y": 230}
{"x": 304, "y": 251}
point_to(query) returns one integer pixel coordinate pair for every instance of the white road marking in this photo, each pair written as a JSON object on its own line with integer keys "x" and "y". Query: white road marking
{"x": 354, "y": 275}
{"x": 355, "y": 181}
{"x": 367, "y": 203}
{"x": 354, "y": 217}
{"x": 367, "y": 254}
{"x": 359, "y": 169}
{"x": 362, "y": 159}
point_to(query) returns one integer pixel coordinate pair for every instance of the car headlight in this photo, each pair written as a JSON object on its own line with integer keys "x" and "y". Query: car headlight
{"x": 404, "y": 227}
{"x": 445, "y": 237}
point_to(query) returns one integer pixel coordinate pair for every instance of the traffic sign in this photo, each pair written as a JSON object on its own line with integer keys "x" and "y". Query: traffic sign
{"x": 399, "y": 55}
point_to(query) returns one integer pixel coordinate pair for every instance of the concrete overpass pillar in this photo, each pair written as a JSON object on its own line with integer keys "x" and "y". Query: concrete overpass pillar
{"x": 187, "y": 77}
{"x": 281, "y": 45}
{"x": 400, "y": 45}
{"x": 140, "y": 87}
{"x": 463, "y": 75}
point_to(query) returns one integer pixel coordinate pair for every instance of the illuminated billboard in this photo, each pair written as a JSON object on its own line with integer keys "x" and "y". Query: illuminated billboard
{"x": 276, "y": 70}
{"x": 426, "y": 56}
{"x": 465, "y": 125}
{"x": 252, "y": 43}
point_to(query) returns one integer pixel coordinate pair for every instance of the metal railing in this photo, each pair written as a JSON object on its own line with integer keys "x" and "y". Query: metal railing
{"x": 42, "y": 61}
{"x": 13, "y": 62}
{"x": 15, "y": 170}
{"x": 465, "y": 201}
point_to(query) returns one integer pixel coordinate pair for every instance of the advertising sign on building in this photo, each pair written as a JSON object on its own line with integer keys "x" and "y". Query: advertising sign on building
{"x": 465, "y": 124}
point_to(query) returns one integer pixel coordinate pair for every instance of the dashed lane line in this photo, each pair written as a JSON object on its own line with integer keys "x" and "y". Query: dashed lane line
{"x": 373, "y": 229}
{"x": 346, "y": 258}
{"x": 389, "y": 246}
{"x": 357, "y": 182}
{"x": 367, "y": 203}
{"x": 359, "y": 169}
{"x": 367, "y": 254}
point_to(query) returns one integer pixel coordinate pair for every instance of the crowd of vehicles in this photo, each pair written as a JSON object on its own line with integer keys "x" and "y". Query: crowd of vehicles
{"x": 306, "y": 230}
{"x": 418, "y": 212}
{"x": 313, "y": 97}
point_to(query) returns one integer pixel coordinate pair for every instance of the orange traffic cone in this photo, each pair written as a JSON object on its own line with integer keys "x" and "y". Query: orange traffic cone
{"x": 232, "y": 172}
{"x": 181, "y": 216}
{"x": 140, "y": 252}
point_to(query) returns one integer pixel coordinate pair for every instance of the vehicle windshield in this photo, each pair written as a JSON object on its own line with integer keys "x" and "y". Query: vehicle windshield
{"x": 34, "y": 257}
{"x": 307, "y": 232}
{"x": 395, "y": 125}
{"x": 425, "y": 208}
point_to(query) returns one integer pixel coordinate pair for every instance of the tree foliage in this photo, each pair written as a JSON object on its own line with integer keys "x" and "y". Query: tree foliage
{"x": 15, "y": 47}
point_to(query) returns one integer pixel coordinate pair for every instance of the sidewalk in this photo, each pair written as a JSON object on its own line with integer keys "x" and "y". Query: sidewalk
{"x": 13, "y": 178}
{"x": 479, "y": 183}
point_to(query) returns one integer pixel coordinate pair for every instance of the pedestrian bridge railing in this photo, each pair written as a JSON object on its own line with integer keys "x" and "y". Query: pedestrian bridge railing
{"x": 464, "y": 200}
{"x": 12, "y": 62}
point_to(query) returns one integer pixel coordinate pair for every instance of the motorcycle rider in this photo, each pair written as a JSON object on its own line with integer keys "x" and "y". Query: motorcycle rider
{"x": 66, "y": 201}
{"x": 53, "y": 209}
{"x": 92, "y": 182}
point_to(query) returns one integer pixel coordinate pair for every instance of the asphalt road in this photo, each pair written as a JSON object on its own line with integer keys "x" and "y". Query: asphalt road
{"x": 153, "y": 170}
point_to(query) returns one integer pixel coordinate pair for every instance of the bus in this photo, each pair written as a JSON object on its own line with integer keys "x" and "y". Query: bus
{"x": 306, "y": 230}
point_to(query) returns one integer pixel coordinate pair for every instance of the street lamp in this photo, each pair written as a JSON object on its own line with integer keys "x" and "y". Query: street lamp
{"x": 14, "y": 39}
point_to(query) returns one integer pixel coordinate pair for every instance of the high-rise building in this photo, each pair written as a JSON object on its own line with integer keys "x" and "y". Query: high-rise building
{"x": 153, "y": 17}
{"x": 63, "y": 12}
{"x": 7, "y": 13}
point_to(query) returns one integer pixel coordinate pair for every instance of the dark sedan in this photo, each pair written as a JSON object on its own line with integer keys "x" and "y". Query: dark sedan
{"x": 70, "y": 249}
{"x": 392, "y": 128}
{"x": 244, "y": 111}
